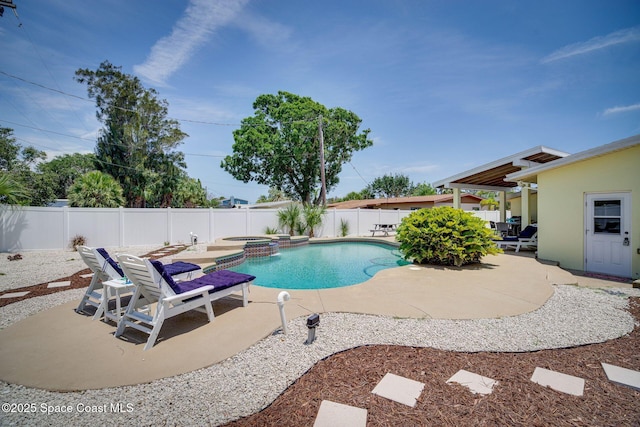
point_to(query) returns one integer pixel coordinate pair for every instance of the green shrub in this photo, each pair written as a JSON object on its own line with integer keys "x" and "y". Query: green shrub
{"x": 445, "y": 236}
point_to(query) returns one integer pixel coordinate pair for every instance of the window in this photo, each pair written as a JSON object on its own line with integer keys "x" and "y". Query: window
{"x": 607, "y": 216}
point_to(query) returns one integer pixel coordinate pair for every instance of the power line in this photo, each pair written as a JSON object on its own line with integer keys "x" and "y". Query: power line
{"x": 35, "y": 48}
{"x": 361, "y": 177}
{"x": 312, "y": 119}
{"x": 46, "y": 130}
{"x": 120, "y": 144}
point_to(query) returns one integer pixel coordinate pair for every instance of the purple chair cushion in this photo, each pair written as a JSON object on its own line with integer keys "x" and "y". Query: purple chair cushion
{"x": 180, "y": 267}
{"x": 220, "y": 279}
{"x": 111, "y": 262}
{"x": 160, "y": 268}
{"x": 528, "y": 232}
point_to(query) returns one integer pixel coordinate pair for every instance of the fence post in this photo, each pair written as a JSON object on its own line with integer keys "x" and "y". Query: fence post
{"x": 169, "y": 225}
{"x": 212, "y": 236}
{"x": 335, "y": 224}
{"x": 65, "y": 227}
{"x": 121, "y": 241}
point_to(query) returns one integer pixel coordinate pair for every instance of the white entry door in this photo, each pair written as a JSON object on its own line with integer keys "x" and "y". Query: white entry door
{"x": 608, "y": 245}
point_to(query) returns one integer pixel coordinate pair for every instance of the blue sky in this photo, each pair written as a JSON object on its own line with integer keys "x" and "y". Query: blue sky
{"x": 444, "y": 86}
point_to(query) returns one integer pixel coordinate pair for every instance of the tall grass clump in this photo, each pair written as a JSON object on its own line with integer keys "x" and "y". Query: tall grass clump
{"x": 344, "y": 227}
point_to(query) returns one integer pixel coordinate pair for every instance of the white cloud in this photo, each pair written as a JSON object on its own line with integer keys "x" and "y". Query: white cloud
{"x": 625, "y": 109}
{"x": 626, "y": 35}
{"x": 201, "y": 19}
{"x": 420, "y": 169}
{"x": 265, "y": 32}
{"x": 201, "y": 110}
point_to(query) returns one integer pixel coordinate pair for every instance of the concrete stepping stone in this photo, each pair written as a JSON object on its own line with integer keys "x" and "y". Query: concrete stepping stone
{"x": 622, "y": 376}
{"x": 399, "y": 389}
{"x": 14, "y": 295}
{"x": 332, "y": 414}
{"x": 59, "y": 284}
{"x": 558, "y": 381}
{"x": 474, "y": 382}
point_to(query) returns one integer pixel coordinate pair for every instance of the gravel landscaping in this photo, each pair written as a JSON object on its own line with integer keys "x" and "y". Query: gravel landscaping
{"x": 254, "y": 379}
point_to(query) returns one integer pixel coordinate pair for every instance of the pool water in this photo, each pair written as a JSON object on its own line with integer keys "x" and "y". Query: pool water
{"x": 321, "y": 266}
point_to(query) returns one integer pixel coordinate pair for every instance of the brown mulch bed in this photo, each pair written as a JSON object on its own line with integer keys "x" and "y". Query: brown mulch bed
{"x": 349, "y": 377}
{"x": 76, "y": 280}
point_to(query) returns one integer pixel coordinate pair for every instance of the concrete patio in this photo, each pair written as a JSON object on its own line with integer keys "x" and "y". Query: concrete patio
{"x": 61, "y": 350}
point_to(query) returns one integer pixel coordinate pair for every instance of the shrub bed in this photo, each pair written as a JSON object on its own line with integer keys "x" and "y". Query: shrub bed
{"x": 445, "y": 236}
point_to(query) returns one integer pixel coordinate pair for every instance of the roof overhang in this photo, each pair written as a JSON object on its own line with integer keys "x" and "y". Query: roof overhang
{"x": 491, "y": 176}
{"x": 531, "y": 175}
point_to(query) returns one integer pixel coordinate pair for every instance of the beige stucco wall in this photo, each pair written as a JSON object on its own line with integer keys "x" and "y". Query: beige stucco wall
{"x": 561, "y": 204}
{"x": 516, "y": 206}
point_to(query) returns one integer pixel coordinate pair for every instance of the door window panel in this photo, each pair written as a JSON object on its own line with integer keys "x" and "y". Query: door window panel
{"x": 607, "y": 216}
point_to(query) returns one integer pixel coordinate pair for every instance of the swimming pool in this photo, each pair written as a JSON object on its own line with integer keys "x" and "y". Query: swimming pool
{"x": 321, "y": 266}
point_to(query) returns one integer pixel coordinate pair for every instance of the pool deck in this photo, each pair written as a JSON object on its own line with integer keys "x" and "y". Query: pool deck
{"x": 59, "y": 349}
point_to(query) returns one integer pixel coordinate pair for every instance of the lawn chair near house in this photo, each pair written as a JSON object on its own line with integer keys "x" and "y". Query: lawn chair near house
{"x": 526, "y": 238}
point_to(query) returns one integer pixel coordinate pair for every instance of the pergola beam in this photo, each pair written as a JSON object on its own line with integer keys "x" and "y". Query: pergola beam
{"x": 475, "y": 187}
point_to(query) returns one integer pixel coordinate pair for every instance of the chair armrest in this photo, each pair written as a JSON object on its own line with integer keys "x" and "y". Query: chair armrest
{"x": 203, "y": 290}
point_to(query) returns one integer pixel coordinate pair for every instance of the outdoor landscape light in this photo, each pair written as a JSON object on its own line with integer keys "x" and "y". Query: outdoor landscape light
{"x": 312, "y": 323}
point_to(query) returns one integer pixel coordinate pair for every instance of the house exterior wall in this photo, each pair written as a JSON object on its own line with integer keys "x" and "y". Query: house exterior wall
{"x": 561, "y": 204}
{"x": 516, "y": 206}
{"x": 407, "y": 206}
{"x": 463, "y": 206}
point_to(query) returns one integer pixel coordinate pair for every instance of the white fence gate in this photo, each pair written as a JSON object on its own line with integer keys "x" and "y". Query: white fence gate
{"x": 38, "y": 228}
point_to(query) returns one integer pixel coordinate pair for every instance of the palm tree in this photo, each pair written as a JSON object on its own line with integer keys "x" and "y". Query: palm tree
{"x": 190, "y": 194}
{"x": 11, "y": 191}
{"x": 313, "y": 216}
{"x": 289, "y": 217}
{"x": 95, "y": 190}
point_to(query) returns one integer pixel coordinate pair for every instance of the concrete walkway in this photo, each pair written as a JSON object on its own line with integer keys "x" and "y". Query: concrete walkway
{"x": 61, "y": 350}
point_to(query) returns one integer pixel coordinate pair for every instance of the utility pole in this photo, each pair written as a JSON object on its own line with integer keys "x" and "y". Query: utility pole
{"x": 323, "y": 183}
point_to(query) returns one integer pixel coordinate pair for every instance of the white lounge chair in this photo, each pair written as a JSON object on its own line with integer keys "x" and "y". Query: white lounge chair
{"x": 105, "y": 268}
{"x": 153, "y": 284}
{"x": 527, "y": 238}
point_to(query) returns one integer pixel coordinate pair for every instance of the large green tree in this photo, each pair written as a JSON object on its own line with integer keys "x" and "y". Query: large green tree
{"x": 423, "y": 189}
{"x": 279, "y": 145}
{"x": 274, "y": 195}
{"x": 137, "y": 144}
{"x": 66, "y": 168}
{"x": 391, "y": 186}
{"x": 190, "y": 194}
{"x": 17, "y": 163}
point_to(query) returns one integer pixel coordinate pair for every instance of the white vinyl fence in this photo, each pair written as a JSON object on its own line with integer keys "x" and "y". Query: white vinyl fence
{"x": 38, "y": 228}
